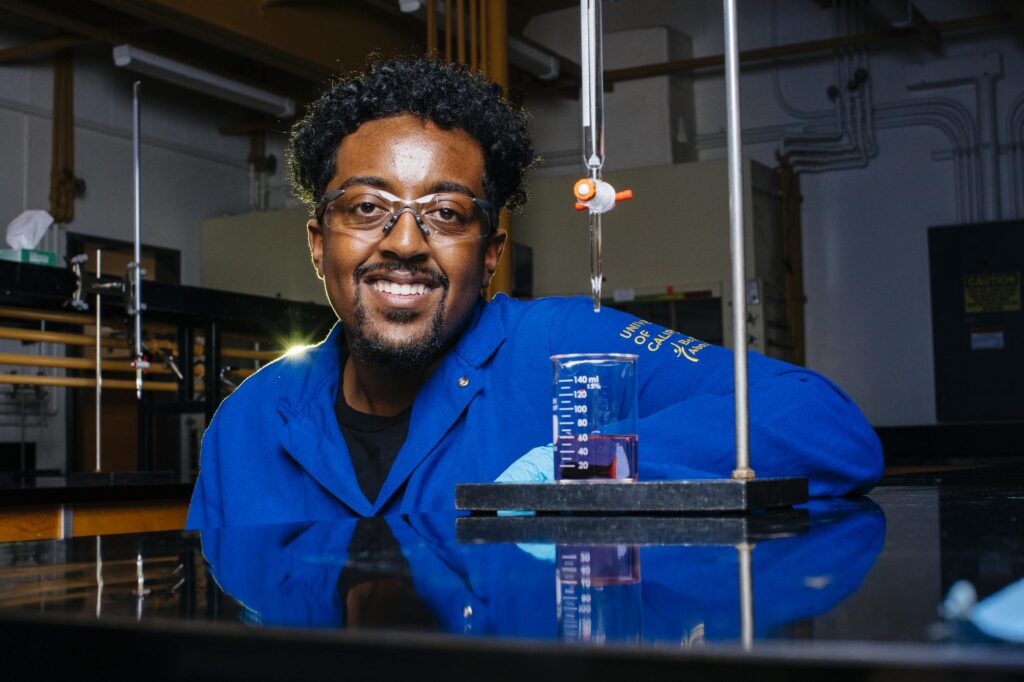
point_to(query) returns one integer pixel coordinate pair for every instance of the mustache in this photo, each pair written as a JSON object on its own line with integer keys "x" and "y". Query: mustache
{"x": 436, "y": 276}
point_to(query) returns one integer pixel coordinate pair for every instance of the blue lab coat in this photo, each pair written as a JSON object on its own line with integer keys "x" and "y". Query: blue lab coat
{"x": 273, "y": 452}
{"x": 287, "y": 575}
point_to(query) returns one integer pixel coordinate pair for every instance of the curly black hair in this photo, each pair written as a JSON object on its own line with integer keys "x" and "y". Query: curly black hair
{"x": 449, "y": 95}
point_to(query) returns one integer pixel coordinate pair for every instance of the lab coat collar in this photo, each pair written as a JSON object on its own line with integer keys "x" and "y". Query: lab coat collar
{"x": 310, "y": 433}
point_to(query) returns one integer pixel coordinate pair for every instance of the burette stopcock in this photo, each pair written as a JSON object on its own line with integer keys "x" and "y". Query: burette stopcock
{"x": 597, "y": 196}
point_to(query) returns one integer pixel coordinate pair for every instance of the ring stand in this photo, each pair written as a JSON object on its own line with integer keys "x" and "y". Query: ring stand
{"x": 743, "y": 492}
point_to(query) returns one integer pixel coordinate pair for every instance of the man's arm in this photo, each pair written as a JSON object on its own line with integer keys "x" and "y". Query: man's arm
{"x": 206, "y": 509}
{"x": 801, "y": 424}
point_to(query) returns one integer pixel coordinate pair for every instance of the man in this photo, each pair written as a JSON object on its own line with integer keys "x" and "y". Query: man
{"x": 423, "y": 385}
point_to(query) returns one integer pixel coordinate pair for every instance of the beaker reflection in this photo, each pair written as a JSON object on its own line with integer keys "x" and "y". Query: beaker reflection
{"x": 598, "y": 593}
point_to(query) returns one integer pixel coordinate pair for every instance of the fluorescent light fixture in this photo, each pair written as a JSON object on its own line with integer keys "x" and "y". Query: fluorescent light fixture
{"x": 530, "y": 59}
{"x": 149, "y": 64}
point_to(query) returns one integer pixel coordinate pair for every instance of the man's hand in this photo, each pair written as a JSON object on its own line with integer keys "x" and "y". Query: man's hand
{"x": 536, "y": 466}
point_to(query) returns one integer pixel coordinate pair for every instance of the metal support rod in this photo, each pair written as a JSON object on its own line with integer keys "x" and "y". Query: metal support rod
{"x": 746, "y": 580}
{"x": 99, "y": 576}
{"x": 140, "y": 586}
{"x": 739, "y": 296}
{"x": 137, "y": 254}
{"x": 99, "y": 369}
{"x": 67, "y": 522}
{"x": 592, "y": 106}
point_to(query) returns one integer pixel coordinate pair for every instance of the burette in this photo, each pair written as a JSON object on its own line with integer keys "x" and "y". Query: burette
{"x": 592, "y": 193}
{"x": 135, "y": 271}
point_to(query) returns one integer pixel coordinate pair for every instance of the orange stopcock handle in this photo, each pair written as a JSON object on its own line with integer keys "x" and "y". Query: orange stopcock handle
{"x": 598, "y": 195}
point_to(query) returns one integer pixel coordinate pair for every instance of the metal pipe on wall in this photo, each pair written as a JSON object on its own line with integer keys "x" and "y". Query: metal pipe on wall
{"x": 460, "y": 31}
{"x": 496, "y": 54}
{"x": 895, "y": 36}
{"x": 1015, "y": 133}
{"x": 988, "y": 143}
{"x": 447, "y": 30}
{"x": 484, "y": 47}
{"x": 473, "y": 49}
{"x": 431, "y": 26}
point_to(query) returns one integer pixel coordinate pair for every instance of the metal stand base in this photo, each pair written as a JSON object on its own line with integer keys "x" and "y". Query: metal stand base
{"x": 678, "y": 497}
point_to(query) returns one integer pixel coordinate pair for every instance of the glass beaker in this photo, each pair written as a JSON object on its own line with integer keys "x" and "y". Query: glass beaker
{"x": 595, "y": 414}
{"x": 598, "y": 594}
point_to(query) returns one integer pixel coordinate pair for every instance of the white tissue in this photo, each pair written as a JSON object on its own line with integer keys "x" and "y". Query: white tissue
{"x": 27, "y": 230}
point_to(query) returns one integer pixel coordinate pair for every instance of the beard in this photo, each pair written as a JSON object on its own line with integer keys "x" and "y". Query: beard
{"x": 370, "y": 345}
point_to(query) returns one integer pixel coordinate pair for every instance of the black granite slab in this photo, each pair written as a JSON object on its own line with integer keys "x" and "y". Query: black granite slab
{"x": 707, "y": 530}
{"x": 710, "y": 495}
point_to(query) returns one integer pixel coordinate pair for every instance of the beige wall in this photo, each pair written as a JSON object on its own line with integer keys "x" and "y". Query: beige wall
{"x": 264, "y": 253}
{"x": 674, "y": 233}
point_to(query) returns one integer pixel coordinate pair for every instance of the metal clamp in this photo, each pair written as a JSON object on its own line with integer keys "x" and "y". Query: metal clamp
{"x": 77, "y": 301}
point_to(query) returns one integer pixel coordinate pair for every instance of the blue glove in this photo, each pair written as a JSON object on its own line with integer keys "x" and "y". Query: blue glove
{"x": 538, "y": 550}
{"x": 536, "y": 466}
{"x": 1000, "y": 614}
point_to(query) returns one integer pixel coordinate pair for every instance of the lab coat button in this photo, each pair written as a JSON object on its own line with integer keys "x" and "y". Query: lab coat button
{"x": 463, "y": 382}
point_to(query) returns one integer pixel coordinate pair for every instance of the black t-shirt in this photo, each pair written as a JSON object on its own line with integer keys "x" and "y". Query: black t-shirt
{"x": 373, "y": 441}
{"x": 376, "y": 586}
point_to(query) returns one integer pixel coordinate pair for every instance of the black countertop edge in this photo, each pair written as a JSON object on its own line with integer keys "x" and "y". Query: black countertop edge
{"x": 958, "y": 441}
{"x": 116, "y": 648}
{"x": 72, "y": 492}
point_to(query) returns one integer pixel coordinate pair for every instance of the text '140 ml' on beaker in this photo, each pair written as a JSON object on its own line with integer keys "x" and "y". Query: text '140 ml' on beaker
{"x": 595, "y": 414}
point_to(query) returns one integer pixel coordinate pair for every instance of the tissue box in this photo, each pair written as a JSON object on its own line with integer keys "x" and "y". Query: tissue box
{"x": 33, "y": 256}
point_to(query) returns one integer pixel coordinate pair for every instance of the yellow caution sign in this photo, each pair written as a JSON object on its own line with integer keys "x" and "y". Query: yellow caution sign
{"x": 992, "y": 292}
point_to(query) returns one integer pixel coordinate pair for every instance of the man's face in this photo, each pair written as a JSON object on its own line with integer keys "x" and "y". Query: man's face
{"x": 385, "y": 322}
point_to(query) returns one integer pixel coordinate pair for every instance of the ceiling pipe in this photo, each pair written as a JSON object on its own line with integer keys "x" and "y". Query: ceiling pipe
{"x": 525, "y": 56}
{"x": 896, "y": 35}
